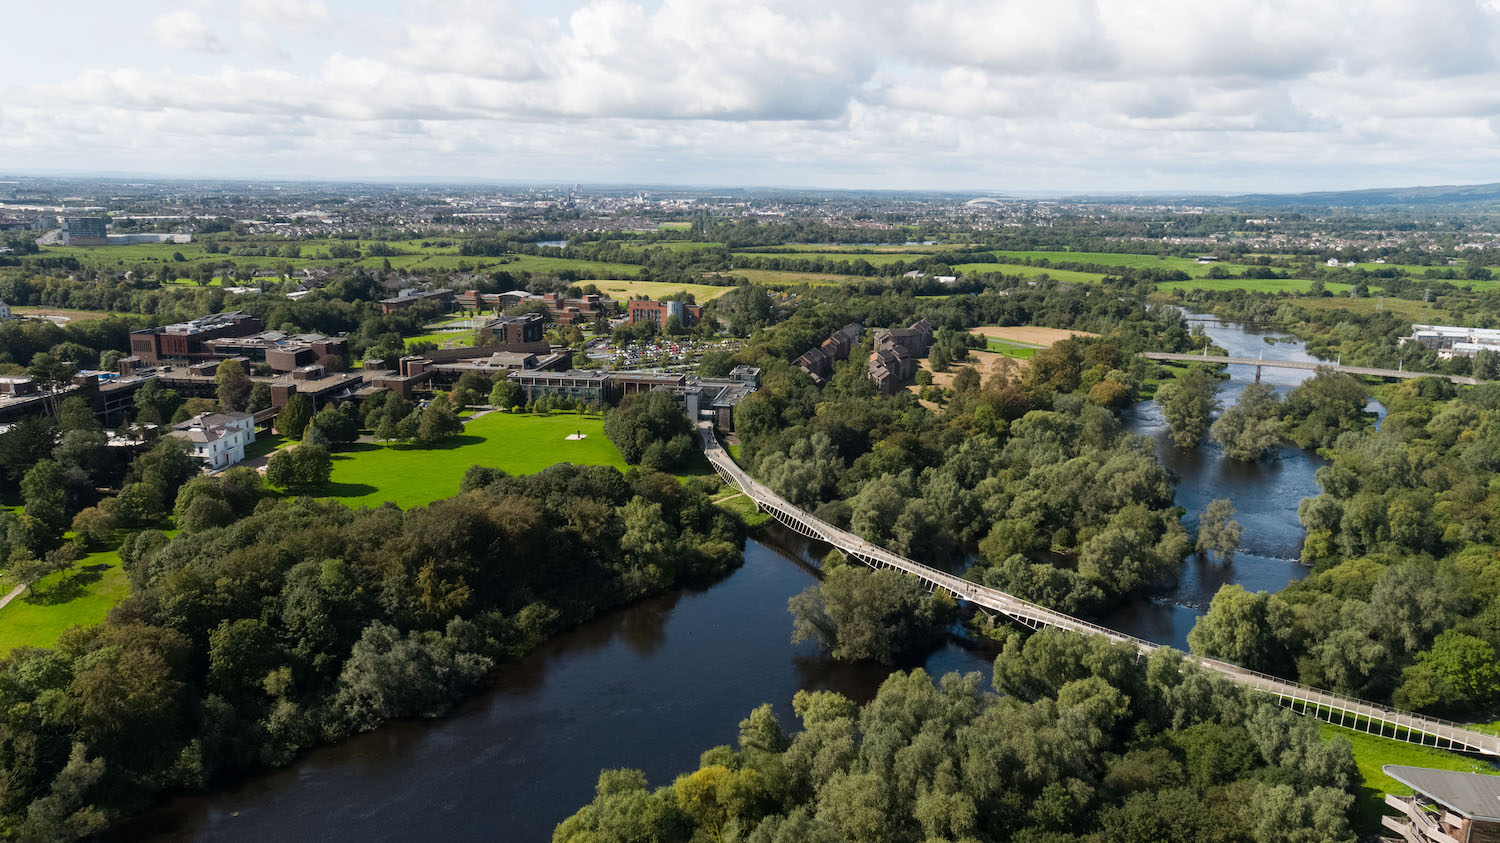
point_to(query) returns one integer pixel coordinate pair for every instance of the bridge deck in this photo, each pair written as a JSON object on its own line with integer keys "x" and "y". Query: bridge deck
{"x": 1298, "y": 364}
{"x": 1355, "y": 714}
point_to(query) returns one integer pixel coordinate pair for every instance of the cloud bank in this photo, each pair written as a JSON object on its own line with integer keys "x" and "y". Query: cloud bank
{"x": 954, "y": 94}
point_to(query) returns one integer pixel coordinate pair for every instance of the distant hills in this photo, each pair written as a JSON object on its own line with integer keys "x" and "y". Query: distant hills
{"x": 1434, "y": 197}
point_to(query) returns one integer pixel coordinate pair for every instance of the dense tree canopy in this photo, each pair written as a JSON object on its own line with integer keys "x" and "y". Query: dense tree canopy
{"x": 1088, "y": 743}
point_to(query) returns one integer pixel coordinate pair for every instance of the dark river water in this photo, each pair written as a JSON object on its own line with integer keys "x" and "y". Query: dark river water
{"x": 653, "y": 685}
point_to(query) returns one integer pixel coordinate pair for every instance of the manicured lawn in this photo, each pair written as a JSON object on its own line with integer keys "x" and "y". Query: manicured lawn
{"x": 1371, "y": 753}
{"x": 524, "y": 443}
{"x": 77, "y": 597}
{"x": 443, "y": 338}
{"x": 264, "y": 444}
{"x": 1018, "y": 350}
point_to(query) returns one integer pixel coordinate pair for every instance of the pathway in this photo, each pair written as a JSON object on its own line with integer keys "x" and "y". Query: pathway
{"x": 1359, "y": 715}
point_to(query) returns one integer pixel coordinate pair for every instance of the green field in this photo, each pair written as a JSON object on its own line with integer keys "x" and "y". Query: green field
{"x": 1068, "y": 275}
{"x": 1018, "y": 350}
{"x": 1259, "y": 285}
{"x": 1371, "y": 753}
{"x": 77, "y": 597}
{"x": 442, "y": 338}
{"x": 774, "y": 277}
{"x": 744, "y": 508}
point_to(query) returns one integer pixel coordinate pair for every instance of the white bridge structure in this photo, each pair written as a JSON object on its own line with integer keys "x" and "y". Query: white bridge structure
{"x": 1351, "y": 713}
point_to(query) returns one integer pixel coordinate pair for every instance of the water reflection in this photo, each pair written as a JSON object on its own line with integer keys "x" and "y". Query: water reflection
{"x": 650, "y": 686}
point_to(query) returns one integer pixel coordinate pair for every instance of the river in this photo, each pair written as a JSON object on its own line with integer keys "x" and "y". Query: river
{"x": 653, "y": 685}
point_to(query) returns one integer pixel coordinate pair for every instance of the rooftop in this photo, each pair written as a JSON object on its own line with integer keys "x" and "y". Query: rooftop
{"x": 1473, "y": 795}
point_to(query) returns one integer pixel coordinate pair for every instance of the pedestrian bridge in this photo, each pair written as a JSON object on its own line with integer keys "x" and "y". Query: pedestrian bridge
{"x": 1167, "y": 356}
{"x": 1355, "y": 714}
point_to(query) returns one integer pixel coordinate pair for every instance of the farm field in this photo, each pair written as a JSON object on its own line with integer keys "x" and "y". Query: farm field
{"x": 1411, "y": 311}
{"x": 1259, "y": 285}
{"x": 620, "y": 290}
{"x": 881, "y": 259}
{"x": 772, "y": 277}
{"x": 915, "y": 248}
{"x": 1188, "y": 265}
{"x": 1032, "y": 335}
{"x": 80, "y": 596}
{"x": 80, "y": 315}
{"x": 1067, "y": 275}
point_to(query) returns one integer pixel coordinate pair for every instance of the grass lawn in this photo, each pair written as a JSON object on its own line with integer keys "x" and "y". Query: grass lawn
{"x": 369, "y": 474}
{"x": 77, "y": 597}
{"x": 443, "y": 338}
{"x": 744, "y": 508}
{"x": 1018, "y": 350}
{"x": 1371, "y": 753}
{"x": 1068, "y": 275}
{"x": 264, "y": 444}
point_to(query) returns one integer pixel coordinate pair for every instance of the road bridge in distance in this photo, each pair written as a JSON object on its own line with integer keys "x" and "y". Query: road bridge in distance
{"x": 1173, "y": 357}
{"x": 1359, "y": 715}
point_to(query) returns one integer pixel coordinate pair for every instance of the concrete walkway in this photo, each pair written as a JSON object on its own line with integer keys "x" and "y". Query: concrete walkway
{"x": 14, "y": 593}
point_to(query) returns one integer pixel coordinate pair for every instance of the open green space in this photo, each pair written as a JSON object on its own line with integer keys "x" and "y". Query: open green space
{"x": 1068, "y": 275}
{"x": 744, "y": 508}
{"x": 1371, "y": 753}
{"x": 1259, "y": 285}
{"x": 442, "y": 338}
{"x": 80, "y": 596}
{"x": 1011, "y": 348}
{"x": 775, "y": 277}
{"x": 368, "y": 474}
{"x": 1411, "y": 311}
{"x": 621, "y": 290}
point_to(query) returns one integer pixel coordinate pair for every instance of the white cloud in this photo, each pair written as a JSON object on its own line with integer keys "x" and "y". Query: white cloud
{"x": 1070, "y": 94}
{"x": 185, "y": 30}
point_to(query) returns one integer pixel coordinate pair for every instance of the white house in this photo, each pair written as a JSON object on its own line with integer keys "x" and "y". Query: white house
{"x": 219, "y": 439}
{"x": 1333, "y": 261}
{"x": 4, "y": 310}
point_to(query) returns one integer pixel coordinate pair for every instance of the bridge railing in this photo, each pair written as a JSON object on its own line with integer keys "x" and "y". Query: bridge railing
{"x": 1014, "y": 606}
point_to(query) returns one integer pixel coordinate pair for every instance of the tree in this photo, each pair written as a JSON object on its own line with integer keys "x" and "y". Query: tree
{"x": 75, "y": 414}
{"x": 44, "y": 490}
{"x": 1251, "y": 630}
{"x": 438, "y": 422}
{"x": 1459, "y": 673}
{"x": 260, "y": 398}
{"x": 336, "y": 426}
{"x": 233, "y": 385}
{"x": 154, "y": 403}
{"x": 1218, "y": 532}
{"x": 507, "y": 393}
{"x": 299, "y": 467}
{"x": 967, "y": 380}
{"x": 1189, "y": 402}
{"x": 862, "y": 614}
{"x": 28, "y": 440}
{"x": 294, "y": 417}
{"x": 647, "y": 421}
{"x": 1252, "y": 427}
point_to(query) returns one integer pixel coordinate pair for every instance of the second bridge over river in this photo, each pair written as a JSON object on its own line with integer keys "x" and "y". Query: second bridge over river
{"x": 1174, "y": 357}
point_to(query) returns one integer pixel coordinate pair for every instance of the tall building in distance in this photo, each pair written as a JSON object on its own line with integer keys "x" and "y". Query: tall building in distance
{"x": 85, "y": 231}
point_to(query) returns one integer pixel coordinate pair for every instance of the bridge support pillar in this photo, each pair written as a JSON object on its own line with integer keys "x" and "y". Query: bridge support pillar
{"x": 1257, "y": 374}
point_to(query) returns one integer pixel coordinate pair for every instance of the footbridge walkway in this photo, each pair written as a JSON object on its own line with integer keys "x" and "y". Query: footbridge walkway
{"x": 1167, "y": 356}
{"x": 1355, "y": 714}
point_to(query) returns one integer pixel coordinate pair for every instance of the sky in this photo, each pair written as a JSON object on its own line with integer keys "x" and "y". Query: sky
{"x": 961, "y": 95}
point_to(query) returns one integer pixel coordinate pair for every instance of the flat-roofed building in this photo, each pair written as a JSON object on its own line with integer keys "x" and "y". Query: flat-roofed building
{"x": 588, "y": 385}
{"x": 281, "y": 351}
{"x": 85, "y": 231}
{"x": 658, "y": 312}
{"x": 189, "y": 339}
{"x": 411, "y": 295}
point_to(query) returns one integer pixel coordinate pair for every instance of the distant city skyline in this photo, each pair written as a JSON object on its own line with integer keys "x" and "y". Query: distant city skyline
{"x": 1066, "y": 97}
